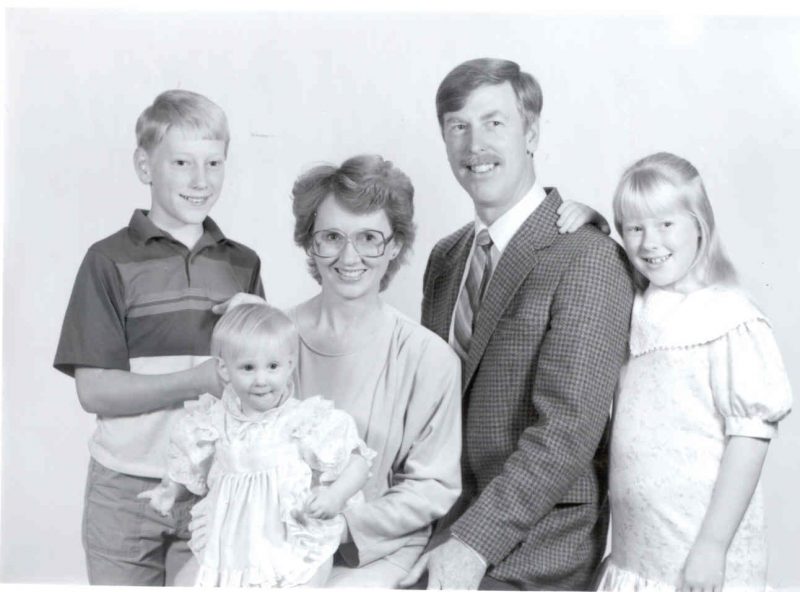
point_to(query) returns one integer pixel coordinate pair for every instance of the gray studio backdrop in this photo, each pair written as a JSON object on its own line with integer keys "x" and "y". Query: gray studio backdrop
{"x": 304, "y": 88}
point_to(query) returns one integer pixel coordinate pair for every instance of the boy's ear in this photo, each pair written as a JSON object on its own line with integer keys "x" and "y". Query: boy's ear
{"x": 222, "y": 369}
{"x": 141, "y": 164}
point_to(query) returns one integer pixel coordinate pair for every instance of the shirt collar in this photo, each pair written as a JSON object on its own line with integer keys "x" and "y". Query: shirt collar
{"x": 143, "y": 227}
{"x": 505, "y": 227}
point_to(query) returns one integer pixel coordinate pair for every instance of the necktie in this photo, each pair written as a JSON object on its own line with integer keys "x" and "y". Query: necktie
{"x": 469, "y": 300}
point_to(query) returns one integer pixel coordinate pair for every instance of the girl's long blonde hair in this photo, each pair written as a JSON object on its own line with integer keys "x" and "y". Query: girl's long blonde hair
{"x": 663, "y": 181}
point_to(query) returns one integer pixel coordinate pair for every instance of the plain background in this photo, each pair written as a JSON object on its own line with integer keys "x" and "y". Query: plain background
{"x": 304, "y": 88}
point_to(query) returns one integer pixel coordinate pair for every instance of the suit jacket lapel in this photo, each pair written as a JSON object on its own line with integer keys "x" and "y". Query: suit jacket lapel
{"x": 448, "y": 281}
{"x": 519, "y": 258}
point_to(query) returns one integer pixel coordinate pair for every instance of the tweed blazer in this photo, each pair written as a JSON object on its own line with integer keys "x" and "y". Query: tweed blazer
{"x": 547, "y": 347}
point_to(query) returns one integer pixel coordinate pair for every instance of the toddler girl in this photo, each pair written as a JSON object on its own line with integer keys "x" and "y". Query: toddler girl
{"x": 278, "y": 471}
{"x": 698, "y": 401}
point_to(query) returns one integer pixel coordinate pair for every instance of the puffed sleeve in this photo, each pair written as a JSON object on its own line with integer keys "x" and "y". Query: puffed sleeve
{"x": 328, "y": 437}
{"x": 192, "y": 445}
{"x": 748, "y": 380}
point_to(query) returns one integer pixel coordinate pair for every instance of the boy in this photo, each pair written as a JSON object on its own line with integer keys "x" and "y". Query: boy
{"x": 137, "y": 330}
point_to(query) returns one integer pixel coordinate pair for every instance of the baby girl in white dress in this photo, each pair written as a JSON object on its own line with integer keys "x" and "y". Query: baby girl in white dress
{"x": 277, "y": 471}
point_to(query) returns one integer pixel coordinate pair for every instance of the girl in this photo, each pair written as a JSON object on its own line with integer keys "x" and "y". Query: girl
{"x": 698, "y": 401}
{"x": 278, "y": 471}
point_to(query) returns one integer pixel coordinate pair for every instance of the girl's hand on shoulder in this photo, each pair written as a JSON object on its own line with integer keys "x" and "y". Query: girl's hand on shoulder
{"x": 572, "y": 215}
{"x": 704, "y": 570}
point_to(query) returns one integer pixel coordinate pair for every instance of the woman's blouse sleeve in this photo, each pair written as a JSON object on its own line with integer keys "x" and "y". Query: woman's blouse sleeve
{"x": 328, "y": 437}
{"x": 192, "y": 445}
{"x": 427, "y": 474}
{"x": 749, "y": 382}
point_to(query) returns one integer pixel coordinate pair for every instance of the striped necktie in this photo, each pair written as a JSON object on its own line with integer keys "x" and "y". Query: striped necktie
{"x": 469, "y": 300}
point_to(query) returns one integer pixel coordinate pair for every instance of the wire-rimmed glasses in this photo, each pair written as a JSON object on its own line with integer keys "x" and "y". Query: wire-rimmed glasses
{"x": 332, "y": 241}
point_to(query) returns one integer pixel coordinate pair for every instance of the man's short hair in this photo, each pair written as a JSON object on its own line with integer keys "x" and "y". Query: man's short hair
{"x": 465, "y": 78}
{"x": 185, "y": 110}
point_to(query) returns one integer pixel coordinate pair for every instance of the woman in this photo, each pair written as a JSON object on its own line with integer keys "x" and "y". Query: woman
{"x": 398, "y": 380}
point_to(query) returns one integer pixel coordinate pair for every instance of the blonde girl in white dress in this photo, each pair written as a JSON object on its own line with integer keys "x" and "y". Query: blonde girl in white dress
{"x": 277, "y": 471}
{"x": 698, "y": 401}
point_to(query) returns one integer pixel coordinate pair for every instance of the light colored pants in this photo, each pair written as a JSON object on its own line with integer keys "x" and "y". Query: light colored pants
{"x": 126, "y": 541}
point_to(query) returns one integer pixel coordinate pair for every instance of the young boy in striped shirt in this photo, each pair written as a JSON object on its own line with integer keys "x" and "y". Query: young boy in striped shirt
{"x": 137, "y": 330}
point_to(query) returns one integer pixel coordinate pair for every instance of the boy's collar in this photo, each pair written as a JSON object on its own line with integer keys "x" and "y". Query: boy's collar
{"x": 144, "y": 228}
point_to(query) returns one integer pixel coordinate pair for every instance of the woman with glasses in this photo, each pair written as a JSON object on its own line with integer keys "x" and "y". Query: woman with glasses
{"x": 399, "y": 381}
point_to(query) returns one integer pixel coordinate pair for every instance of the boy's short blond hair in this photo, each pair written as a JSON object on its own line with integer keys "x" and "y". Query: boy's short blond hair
{"x": 252, "y": 321}
{"x": 185, "y": 110}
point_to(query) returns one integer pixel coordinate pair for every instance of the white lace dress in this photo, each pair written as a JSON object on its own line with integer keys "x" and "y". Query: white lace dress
{"x": 257, "y": 473}
{"x": 703, "y": 367}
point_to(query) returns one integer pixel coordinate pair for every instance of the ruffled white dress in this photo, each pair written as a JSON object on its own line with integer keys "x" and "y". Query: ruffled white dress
{"x": 258, "y": 473}
{"x": 703, "y": 367}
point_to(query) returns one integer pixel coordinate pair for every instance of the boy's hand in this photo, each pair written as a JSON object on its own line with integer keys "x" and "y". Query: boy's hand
{"x": 324, "y": 503}
{"x": 209, "y": 379}
{"x": 573, "y": 215}
{"x": 704, "y": 570}
{"x": 162, "y": 497}
{"x": 236, "y": 300}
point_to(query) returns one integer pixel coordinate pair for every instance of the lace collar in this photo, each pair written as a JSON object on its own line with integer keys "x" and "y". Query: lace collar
{"x": 663, "y": 319}
{"x": 233, "y": 406}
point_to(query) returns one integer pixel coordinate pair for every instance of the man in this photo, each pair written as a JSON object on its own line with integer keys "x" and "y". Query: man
{"x": 540, "y": 320}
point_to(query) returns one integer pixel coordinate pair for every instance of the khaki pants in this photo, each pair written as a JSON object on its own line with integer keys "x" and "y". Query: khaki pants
{"x": 126, "y": 541}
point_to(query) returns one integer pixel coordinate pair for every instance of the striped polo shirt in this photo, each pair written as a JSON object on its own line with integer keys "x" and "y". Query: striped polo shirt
{"x": 142, "y": 303}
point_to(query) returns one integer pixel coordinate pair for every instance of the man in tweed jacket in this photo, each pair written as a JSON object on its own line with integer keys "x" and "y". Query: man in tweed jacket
{"x": 546, "y": 348}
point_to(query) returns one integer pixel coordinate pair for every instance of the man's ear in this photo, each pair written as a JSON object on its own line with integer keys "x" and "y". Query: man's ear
{"x": 141, "y": 164}
{"x": 222, "y": 369}
{"x": 532, "y": 137}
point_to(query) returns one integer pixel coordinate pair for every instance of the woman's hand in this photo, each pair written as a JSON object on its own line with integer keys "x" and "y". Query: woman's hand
{"x": 704, "y": 570}
{"x": 324, "y": 503}
{"x": 236, "y": 300}
{"x": 572, "y": 215}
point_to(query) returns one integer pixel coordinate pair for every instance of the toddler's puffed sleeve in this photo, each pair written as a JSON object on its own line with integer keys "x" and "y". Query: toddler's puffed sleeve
{"x": 748, "y": 380}
{"x": 191, "y": 448}
{"x": 328, "y": 437}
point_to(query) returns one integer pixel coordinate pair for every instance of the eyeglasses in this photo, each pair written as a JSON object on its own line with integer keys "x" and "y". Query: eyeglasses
{"x": 331, "y": 241}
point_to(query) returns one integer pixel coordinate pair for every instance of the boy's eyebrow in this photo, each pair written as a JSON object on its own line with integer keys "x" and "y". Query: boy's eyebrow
{"x": 184, "y": 153}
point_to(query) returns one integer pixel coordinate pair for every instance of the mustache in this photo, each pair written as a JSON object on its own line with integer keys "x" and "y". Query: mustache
{"x": 486, "y": 158}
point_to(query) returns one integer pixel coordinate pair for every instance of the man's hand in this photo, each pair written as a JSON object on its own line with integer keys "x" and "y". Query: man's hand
{"x": 572, "y": 215}
{"x": 236, "y": 300}
{"x": 704, "y": 570}
{"x": 452, "y": 565}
